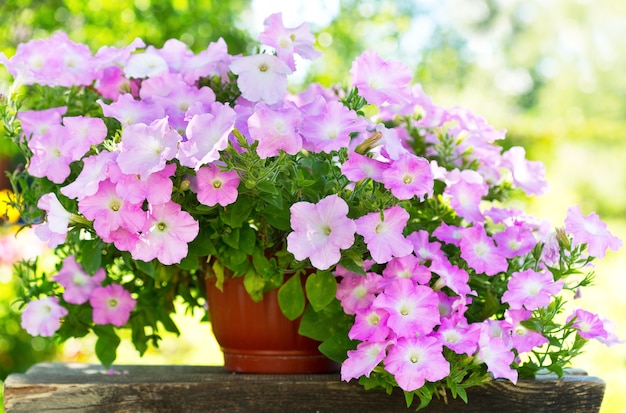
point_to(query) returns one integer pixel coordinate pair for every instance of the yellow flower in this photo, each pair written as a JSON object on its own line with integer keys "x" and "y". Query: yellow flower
{"x": 7, "y": 212}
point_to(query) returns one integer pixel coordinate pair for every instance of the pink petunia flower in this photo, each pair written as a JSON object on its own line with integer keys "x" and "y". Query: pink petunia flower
{"x": 145, "y": 149}
{"x": 261, "y": 77}
{"x": 320, "y": 231}
{"x": 480, "y": 252}
{"x": 111, "y": 305}
{"x": 592, "y": 231}
{"x": 357, "y": 292}
{"x": 275, "y": 129}
{"x": 408, "y": 266}
{"x": 523, "y": 339}
{"x": 166, "y": 235}
{"x": 527, "y": 175}
{"x": 370, "y": 324}
{"x": 449, "y": 234}
{"x": 54, "y": 229}
{"x": 459, "y": 336}
{"x": 52, "y": 154}
{"x": 409, "y": 176}
{"x": 361, "y": 362}
{"x": 129, "y": 110}
{"x": 424, "y": 249}
{"x": 42, "y": 317}
{"x": 498, "y": 357}
{"x": 415, "y": 360}
{"x": 588, "y": 324}
{"x": 330, "y": 130}
{"x": 451, "y": 276}
{"x": 381, "y": 81}
{"x": 37, "y": 122}
{"x": 288, "y": 41}
{"x": 515, "y": 241}
{"x": 359, "y": 167}
{"x": 215, "y": 186}
{"x": 207, "y": 134}
{"x": 465, "y": 197}
{"x": 156, "y": 188}
{"x": 77, "y": 282}
{"x": 413, "y": 309}
{"x": 531, "y": 290}
{"x": 94, "y": 171}
{"x": 109, "y": 211}
{"x": 383, "y": 234}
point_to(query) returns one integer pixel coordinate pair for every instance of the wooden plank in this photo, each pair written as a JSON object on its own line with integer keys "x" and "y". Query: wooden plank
{"x": 57, "y": 387}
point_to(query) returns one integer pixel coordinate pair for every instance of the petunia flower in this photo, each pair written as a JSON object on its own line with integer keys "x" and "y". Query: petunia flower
{"x": 111, "y": 305}
{"x": 77, "y": 282}
{"x": 413, "y": 309}
{"x": 166, "y": 234}
{"x": 42, "y": 317}
{"x": 288, "y": 41}
{"x": 145, "y": 149}
{"x": 480, "y": 252}
{"x": 320, "y": 231}
{"x": 409, "y": 176}
{"x": 531, "y": 289}
{"x": 261, "y": 77}
{"x": 275, "y": 129}
{"x": 381, "y": 81}
{"x": 330, "y": 130}
{"x": 415, "y": 360}
{"x": 215, "y": 186}
{"x": 54, "y": 229}
{"x": 527, "y": 175}
{"x": 357, "y": 292}
{"x": 523, "y": 339}
{"x": 382, "y": 233}
{"x": 592, "y": 231}
{"x": 362, "y": 360}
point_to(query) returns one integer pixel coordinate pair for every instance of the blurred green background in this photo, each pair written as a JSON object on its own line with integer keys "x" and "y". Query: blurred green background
{"x": 551, "y": 73}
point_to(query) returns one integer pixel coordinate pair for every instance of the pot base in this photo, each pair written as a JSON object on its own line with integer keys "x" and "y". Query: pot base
{"x": 277, "y": 362}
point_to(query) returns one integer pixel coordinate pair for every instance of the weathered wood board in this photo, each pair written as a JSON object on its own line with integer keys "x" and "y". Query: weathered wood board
{"x": 58, "y": 387}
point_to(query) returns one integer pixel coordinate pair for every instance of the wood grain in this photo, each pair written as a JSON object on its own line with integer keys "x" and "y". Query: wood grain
{"x": 57, "y": 387}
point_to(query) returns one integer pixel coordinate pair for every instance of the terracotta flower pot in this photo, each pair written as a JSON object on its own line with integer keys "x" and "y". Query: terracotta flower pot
{"x": 256, "y": 337}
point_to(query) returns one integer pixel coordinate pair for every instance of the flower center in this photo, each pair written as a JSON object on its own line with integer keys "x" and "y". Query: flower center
{"x": 263, "y": 67}
{"x": 407, "y": 179}
{"x": 161, "y": 226}
{"x": 112, "y": 303}
{"x": 217, "y": 184}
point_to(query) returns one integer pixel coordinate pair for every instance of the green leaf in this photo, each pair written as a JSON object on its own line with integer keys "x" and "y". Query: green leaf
{"x": 336, "y": 347}
{"x": 202, "y": 245}
{"x": 247, "y": 239}
{"x": 321, "y": 288}
{"x": 231, "y": 237}
{"x": 107, "y": 344}
{"x": 268, "y": 187}
{"x": 277, "y": 217}
{"x": 240, "y": 211}
{"x": 91, "y": 255}
{"x": 254, "y": 284}
{"x": 147, "y": 268}
{"x": 326, "y": 323}
{"x": 291, "y": 298}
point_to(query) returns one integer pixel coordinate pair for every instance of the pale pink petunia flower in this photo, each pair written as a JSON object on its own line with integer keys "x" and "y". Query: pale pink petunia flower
{"x": 94, "y": 171}
{"x": 215, "y": 186}
{"x": 415, "y": 360}
{"x": 275, "y": 129}
{"x": 409, "y": 176}
{"x": 330, "y": 130}
{"x": 498, "y": 356}
{"x": 54, "y": 229}
{"x": 357, "y": 292}
{"x": 288, "y": 41}
{"x": 156, "y": 188}
{"x": 52, "y": 154}
{"x": 408, "y": 266}
{"x": 42, "y": 317}
{"x": 523, "y": 339}
{"x": 261, "y": 77}
{"x": 370, "y": 324}
{"x": 531, "y": 290}
{"x": 109, "y": 211}
{"x": 425, "y": 249}
{"x": 527, "y": 175}
{"x": 129, "y": 110}
{"x": 588, "y": 324}
{"x": 413, "y": 309}
{"x": 320, "y": 231}
{"x": 450, "y": 234}
{"x": 592, "y": 231}
{"x": 166, "y": 235}
{"x": 466, "y": 197}
{"x": 459, "y": 336}
{"x": 37, "y": 122}
{"x": 145, "y": 149}
{"x": 382, "y": 233}
{"x": 516, "y": 240}
{"x": 451, "y": 276}
{"x": 361, "y": 362}
{"x": 207, "y": 135}
{"x": 112, "y": 305}
{"x": 480, "y": 252}
{"x": 381, "y": 81}
{"x": 359, "y": 167}
{"x": 77, "y": 282}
